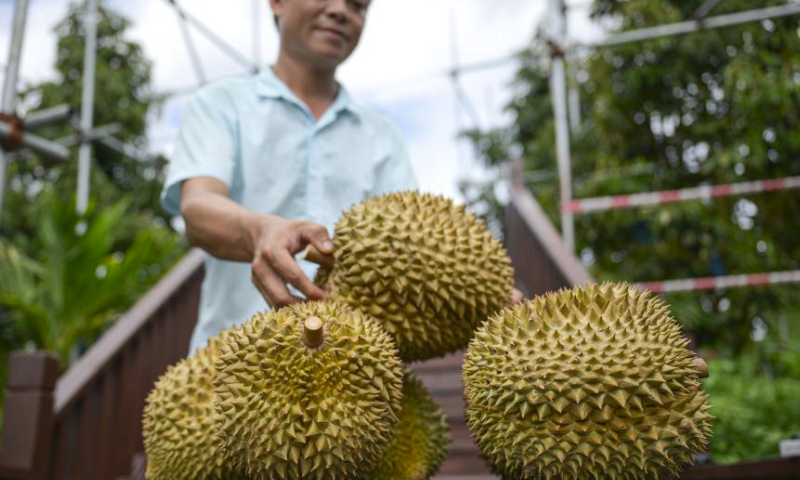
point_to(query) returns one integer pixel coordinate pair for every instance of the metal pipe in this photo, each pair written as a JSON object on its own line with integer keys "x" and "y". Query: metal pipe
{"x": 94, "y": 135}
{"x": 705, "y": 9}
{"x": 558, "y": 93}
{"x": 48, "y": 116}
{"x": 257, "y": 33}
{"x": 87, "y": 105}
{"x": 193, "y": 56}
{"x": 9, "y": 98}
{"x": 235, "y": 55}
{"x": 691, "y": 26}
{"x": 574, "y": 108}
{"x": 124, "y": 149}
{"x": 37, "y": 143}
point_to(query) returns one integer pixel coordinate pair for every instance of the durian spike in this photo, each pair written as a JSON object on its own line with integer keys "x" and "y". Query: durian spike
{"x": 313, "y": 333}
{"x": 313, "y": 255}
{"x": 702, "y": 367}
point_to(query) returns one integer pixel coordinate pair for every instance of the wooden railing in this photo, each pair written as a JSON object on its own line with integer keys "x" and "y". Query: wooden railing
{"x": 542, "y": 261}
{"x": 87, "y": 424}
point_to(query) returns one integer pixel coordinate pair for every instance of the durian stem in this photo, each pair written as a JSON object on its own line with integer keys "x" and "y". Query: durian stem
{"x": 313, "y": 333}
{"x": 315, "y": 256}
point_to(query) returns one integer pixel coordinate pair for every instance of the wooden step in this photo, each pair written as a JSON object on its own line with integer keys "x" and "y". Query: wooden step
{"x": 442, "y": 382}
{"x": 465, "y": 477}
{"x": 452, "y": 361}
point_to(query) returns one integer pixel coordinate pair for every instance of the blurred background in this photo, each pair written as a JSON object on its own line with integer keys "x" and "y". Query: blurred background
{"x": 469, "y": 84}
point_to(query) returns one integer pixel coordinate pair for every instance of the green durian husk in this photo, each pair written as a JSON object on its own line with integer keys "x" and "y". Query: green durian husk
{"x": 290, "y": 412}
{"x": 427, "y": 269}
{"x": 421, "y": 438}
{"x": 585, "y": 383}
{"x": 180, "y": 424}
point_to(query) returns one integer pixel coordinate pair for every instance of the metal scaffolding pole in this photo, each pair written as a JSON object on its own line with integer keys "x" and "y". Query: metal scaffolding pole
{"x": 57, "y": 150}
{"x": 705, "y": 9}
{"x": 124, "y": 149}
{"x": 48, "y": 116}
{"x": 692, "y": 26}
{"x": 193, "y": 56}
{"x": 45, "y": 147}
{"x": 87, "y": 104}
{"x": 558, "y": 93}
{"x": 9, "y": 100}
{"x": 232, "y": 52}
{"x": 257, "y": 33}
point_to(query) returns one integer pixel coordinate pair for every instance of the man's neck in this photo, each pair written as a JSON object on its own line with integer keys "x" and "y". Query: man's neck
{"x": 315, "y": 87}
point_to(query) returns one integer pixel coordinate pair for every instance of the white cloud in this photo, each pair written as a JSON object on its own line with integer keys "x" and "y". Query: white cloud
{"x": 398, "y": 68}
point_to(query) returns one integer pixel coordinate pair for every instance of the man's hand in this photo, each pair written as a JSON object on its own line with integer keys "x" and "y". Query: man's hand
{"x": 516, "y": 297}
{"x": 702, "y": 367}
{"x": 276, "y": 242}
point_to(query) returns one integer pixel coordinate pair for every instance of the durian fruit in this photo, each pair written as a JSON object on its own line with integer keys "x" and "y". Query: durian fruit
{"x": 309, "y": 391}
{"x": 180, "y": 423}
{"x": 587, "y": 383}
{"x": 421, "y": 437}
{"x": 426, "y": 268}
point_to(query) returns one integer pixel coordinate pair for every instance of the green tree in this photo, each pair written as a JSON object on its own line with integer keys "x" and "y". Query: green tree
{"x": 123, "y": 95}
{"x": 714, "y": 107}
{"x": 65, "y": 277}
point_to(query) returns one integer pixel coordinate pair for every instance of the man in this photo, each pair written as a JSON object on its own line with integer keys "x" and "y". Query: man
{"x": 265, "y": 165}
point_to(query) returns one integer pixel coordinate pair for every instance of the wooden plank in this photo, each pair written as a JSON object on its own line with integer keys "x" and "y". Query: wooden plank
{"x": 466, "y": 477}
{"x": 777, "y": 468}
{"x": 31, "y": 371}
{"x": 464, "y": 464}
{"x": 442, "y": 383}
{"x": 138, "y": 393}
{"x": 121, "y": 453}
{"x": 532, "y": 234}
{"x": 107, "y": 426}
{"x": 84, "y": 409}
{"x": 63, "y": 449}
{"x": 452, "y": 405}
{"x": 28, "y": 416}
{"x": 190, "y": 313}
{"x": 450, "y": 362}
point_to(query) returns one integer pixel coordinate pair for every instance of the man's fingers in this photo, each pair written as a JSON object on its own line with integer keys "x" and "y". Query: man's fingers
{"x": 317, "y": 235}
{"x": 286, "y": 266}
{"x": 702, "y": 367}
{"x": 271, "y": 287}
{"x": 516, "y": 297}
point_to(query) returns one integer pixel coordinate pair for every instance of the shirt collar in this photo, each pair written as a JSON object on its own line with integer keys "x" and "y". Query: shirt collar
{"x": 270, "y": 86}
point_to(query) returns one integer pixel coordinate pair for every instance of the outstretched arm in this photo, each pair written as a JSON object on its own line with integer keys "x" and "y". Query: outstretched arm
{"x": 229, "y": 231}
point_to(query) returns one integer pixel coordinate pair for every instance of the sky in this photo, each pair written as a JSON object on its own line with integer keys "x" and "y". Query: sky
{"x": 398, "y": 69}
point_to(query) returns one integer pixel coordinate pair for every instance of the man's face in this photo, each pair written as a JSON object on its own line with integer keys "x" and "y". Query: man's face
{"x": 321, "y": 32}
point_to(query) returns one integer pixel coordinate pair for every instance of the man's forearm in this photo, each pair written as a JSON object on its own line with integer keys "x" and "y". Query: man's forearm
{"x": 221, "y": 226}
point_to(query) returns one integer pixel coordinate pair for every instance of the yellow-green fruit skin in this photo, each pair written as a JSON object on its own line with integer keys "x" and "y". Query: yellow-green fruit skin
{"x": 421, "y": 437}
{"x": 426, "y": 268}
{"x": 585, "y": 383}
{"x": 179, "y": 425}
{"x": 292, "y": 412}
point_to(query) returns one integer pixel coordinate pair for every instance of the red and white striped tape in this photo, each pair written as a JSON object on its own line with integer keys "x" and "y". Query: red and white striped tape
{"x": 711, "y": 283}
{"x": 616, "y": 202}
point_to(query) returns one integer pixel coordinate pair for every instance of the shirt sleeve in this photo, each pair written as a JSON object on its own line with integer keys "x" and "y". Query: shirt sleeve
{"x": 395, "y": 173}
{"x": 205, "y": 146}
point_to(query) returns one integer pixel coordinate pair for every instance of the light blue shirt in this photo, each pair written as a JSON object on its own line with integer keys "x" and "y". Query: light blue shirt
{"x": 258, "y": 138}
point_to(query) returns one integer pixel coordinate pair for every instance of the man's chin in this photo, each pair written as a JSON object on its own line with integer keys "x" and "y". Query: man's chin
{"x": 331, "y": 58}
